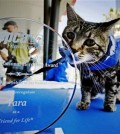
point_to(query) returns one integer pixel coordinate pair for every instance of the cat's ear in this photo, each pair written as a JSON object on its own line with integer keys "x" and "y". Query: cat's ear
{"x": 71, "y": 14}
{"x": 108, "y": 25}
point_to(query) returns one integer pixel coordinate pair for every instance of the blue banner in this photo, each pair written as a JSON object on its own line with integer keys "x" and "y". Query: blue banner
{"x": 30, "y": 109}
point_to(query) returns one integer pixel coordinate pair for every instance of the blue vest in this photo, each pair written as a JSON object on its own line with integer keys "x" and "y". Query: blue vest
{"x": 110, "y": 59}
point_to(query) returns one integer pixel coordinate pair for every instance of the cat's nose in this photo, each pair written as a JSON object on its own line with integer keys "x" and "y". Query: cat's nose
{"x": 74, "y": 50}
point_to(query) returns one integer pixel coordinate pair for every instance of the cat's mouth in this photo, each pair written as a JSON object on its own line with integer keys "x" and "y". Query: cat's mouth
{"x": 88, "y": 58}
{"x": 85, "y": 58}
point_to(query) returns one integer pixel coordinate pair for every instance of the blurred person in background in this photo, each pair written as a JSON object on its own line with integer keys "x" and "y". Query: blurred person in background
{"x": 17, "y": 53}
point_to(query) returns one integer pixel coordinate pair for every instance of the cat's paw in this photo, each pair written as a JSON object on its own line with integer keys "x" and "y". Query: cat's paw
{"x": 110, "y": 107}
{"x": 83, "y": 105}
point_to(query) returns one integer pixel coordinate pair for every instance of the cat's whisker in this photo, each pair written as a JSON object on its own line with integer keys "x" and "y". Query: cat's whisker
{"x": 101, "y": 63}
{"x": 93, "y": 79}
{"x": 101, "y": 71}
{"x": 86, "y": 58}
{"x": 95, "y": 84}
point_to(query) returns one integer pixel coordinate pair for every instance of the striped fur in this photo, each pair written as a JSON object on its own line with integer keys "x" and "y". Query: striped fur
{"x": 88, "y": 38}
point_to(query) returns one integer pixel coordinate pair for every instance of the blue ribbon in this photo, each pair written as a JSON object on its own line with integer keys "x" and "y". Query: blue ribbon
{"x": 110, "y": 59}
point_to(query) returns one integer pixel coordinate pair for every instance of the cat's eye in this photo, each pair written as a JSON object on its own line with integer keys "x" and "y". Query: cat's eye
{"x": 71, "y": 35}
{"x": 89, "y": 42}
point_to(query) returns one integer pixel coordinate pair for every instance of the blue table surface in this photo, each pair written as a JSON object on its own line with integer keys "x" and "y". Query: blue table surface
{"x": 91, "y": 121}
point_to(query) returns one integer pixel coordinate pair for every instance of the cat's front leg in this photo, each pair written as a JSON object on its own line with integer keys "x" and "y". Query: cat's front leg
{"x": 85, "y": 101}
{"x": 110, "y": 95}
{"x": 118, "y": 95}
{"x": 86, "y": 86}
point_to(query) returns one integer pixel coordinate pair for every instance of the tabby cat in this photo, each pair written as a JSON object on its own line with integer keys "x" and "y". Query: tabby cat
{"x": 94, "y": 45}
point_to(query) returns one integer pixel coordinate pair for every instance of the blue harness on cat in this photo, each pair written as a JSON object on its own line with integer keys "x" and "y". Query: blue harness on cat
{"x": 110, "y": 59}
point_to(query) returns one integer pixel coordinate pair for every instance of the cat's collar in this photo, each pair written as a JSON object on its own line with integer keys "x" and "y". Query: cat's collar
{"x": 109, "y": 60}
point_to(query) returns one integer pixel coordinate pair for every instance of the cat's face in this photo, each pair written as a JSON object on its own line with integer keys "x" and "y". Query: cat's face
{"x": 87, "y": 39}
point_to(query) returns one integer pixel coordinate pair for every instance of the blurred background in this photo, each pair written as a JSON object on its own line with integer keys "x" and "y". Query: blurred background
{"x": 53, "y": 13}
